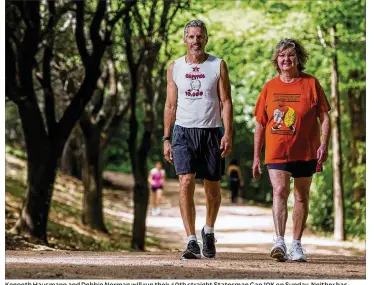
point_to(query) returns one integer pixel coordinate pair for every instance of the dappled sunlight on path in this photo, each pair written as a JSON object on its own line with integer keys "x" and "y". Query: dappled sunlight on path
{"x": 239, "y": 228}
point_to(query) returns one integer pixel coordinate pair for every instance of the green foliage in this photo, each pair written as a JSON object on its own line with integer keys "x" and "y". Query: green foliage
{"x": 244, "y": 34}
{"x": 356, "y": 218}
{"x": 15, "y": 151}
{"x": 322, "y": 201}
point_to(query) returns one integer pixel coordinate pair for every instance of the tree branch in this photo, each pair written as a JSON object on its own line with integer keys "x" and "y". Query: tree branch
{"x": 111, "y": 100}
{"x": 96, "y": 24}
{"x": 151, "y": 22}
{"x": 79, "y": 33}
{"x": 12, "y": 89}
{"x": 112, "y": 128}
{"x": 123, "y": 12}
{"x": 139, "y": 20}
{"x": 28, "y": 49}
{"x": 170, "y": 20}
{"x": 49, "y": 100}
{"x": 97, "y": 99}
{"x": 320, "y": 36}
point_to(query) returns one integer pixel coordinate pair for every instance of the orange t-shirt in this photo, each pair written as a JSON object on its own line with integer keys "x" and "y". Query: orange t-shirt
{"x": 290, "y": 111}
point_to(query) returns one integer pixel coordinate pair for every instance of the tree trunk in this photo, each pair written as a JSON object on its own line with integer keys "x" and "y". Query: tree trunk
{"x": 71, "y": 159}
{"x": 339, "y": 222}
{"x": 141, "y": 194}
{"x": 93, "y": 182}
{"x": 41, "y": 173}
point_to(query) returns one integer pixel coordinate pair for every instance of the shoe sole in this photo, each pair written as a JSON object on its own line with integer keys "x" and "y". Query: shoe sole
{"x": 207, "y": 256}
{"x": 190, "y": 255}
{"x": 299, "y": 260}
{"x": 278, "y": 255}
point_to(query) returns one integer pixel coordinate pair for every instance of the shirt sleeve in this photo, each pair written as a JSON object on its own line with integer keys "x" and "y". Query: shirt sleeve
{"x": 323, "y": 104}
{"x": 260, "y": 109}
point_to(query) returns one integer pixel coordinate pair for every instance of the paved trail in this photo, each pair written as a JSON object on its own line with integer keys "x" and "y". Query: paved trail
{"x": 244, "y": 236}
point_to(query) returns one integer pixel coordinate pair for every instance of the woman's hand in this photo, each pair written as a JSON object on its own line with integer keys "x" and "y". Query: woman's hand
{"x": 322, "y": 153}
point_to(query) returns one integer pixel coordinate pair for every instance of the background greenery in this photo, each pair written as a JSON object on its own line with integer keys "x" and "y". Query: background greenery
{"x": 244, "y": 34}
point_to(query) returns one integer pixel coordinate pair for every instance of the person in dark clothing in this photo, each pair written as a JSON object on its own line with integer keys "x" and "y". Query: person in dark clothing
{"x": 235, "y": 179}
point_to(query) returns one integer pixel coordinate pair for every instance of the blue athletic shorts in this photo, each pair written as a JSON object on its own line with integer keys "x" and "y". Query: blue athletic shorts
{"x": 197, "y": 150}
{"x": 297, "y": 168}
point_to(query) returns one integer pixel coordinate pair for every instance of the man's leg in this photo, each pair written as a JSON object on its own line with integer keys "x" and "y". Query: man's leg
{"x": 280, "y": 180}
{"x": 300, "y": 215}
{"x": 213, "y": 202}
{"x": 188, "y": 213}
{"x": 186, "y": 202}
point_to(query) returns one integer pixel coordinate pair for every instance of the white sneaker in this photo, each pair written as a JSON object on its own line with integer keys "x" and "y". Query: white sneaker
{"x": 279, "y": 250}
{"x": 297, "y": 252}
{"x": 154, "y": 212}
{"x": 158, "y": 211}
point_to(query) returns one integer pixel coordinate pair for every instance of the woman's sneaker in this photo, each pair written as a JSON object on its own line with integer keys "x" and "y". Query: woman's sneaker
{"x": 209, "y": 247}
{"x": 279, "y": 250}
{"x": 192, "y": 251}
{"x": 297, "y": 252}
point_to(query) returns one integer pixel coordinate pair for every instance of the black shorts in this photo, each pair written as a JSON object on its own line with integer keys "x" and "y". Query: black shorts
{"x": 156, "y": 188}
{"x": 297, "y": 168}
{"x": 197, "y": 151}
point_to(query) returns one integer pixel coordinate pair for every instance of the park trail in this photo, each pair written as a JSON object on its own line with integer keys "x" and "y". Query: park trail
{"x": 244, "y": 235}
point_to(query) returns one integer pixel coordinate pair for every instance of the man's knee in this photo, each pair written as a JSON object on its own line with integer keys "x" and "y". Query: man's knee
{"x": 281, "y": 191}
{"x": 186, "y": 181}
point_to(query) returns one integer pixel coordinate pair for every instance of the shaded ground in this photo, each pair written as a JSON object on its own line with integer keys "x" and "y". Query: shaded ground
{"x": 244, "y": 236}
{"x": 106, "y": 265}
{"x": 239, "y": 228}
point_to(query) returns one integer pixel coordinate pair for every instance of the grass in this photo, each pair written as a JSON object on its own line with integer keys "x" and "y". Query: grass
{"x": 65, "y": 230}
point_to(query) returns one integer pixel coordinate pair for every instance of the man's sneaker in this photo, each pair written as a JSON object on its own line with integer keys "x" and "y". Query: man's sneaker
{"x": 279, "y": 250}
{"x": 209, "y": 248}
{"x": 192, "y": 251}
{"x": 297, "y": 252}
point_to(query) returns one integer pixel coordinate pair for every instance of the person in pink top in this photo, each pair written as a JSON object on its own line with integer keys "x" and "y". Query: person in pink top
{"x": 156, "y": 178}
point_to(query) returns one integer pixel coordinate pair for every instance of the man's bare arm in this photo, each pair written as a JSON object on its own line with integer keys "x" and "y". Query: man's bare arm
{"x": 224, "y": 90}
{"x": 169, "y": 111}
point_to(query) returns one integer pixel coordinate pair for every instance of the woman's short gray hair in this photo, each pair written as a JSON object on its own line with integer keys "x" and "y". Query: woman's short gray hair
{"x": 196, "y": 23}
{"x": 301, "y": 53}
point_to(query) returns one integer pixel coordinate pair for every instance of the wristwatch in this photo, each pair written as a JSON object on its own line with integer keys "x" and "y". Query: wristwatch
{"x": 165, "y": 138}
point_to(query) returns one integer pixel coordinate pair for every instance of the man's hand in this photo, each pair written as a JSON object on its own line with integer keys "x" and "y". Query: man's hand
{"x": 168, "y": 154}
{"x": 226, "y": 144}
{"x": 256, "y": 168}
{"x": 322, "y": 153}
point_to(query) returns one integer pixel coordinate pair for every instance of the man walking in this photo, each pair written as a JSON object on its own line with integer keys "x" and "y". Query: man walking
{"x": 198, "y": 91}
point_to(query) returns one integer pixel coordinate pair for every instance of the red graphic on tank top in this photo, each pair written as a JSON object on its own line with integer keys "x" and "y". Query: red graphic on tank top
{"x": 195, "y": 82}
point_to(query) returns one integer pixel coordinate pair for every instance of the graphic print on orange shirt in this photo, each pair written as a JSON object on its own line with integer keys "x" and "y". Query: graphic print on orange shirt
{"x": 284, "y": 116}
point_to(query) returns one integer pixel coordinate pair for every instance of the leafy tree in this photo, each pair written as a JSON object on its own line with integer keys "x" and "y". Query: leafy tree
{"x": 44, "y": 136}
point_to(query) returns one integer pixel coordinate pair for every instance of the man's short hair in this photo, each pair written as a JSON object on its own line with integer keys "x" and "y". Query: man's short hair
{"x": 196, "y": 23}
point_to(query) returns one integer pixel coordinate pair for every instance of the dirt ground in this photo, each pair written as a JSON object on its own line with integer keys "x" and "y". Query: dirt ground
{"x": 244, "y": 237}
{"x": 163, "y": 265}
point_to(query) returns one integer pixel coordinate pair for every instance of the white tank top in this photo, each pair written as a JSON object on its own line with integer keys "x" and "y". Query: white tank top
{"x": 198, "y": 104}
